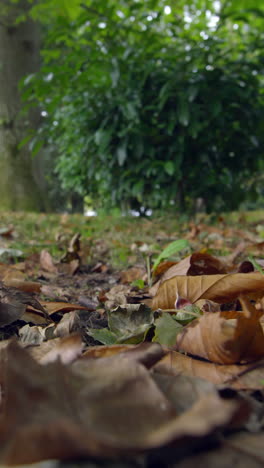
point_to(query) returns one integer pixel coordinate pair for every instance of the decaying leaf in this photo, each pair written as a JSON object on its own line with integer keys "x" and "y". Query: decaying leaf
{"x": 31, "y": 335}
{"x": 13, "y": 304}
{"x": 225, "y": 337}
{"x": 218, "y": 288}
{"x": 239, "y": 376}
{"x": 117, "y": 296}
{"x": 53, "y": 307}
{"x": 166, "y": 330}
{"x": 127, "y": 324}
{"x": 67, "y": 349}
{"x": 196, "y": 264}
{"x": 104, "y": 407}
{"x": 69, "y": 323}
{"x": 132, "y": 274}
{"x": 46, "y": 262}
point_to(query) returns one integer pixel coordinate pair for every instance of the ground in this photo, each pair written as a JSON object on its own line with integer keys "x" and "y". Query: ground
{"x": 142, "y": 339}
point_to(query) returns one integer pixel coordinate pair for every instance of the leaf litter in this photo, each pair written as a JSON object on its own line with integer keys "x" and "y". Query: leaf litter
{"x": 95, "y": 366}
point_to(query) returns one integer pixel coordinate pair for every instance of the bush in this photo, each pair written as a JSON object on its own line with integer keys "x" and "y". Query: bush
{"x": 149, "y": 112}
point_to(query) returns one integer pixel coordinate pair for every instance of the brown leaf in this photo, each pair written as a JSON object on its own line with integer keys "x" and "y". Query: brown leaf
{"x": 175, "y": 363}
{"x": 70, "y": 267}
{"x": 25, "y": 286}
{"x": 132, "y": 274}
{"x": 225, "y": 337}
{"x": 69, "y": 323}
{"x": 11, "y": 273}
{"x": 35, "y": 316}
{"x": 54, "y": 307}
{"x": 218, "y": 288}
{"x": 13, "y": 303}
{"x": 242, "y": 451}
{"x": 46, "y": 262}
{"x": 31, "y": 335}
{"x": 162, "y": 268}
{"x": 248, "y": 444}
{"x": 196, "y": 264}
{"x": 117, "y": 296}
{"x": 106, "y": 351}
{"x": 103, "y": 407}
{"x": 67, "y": 349}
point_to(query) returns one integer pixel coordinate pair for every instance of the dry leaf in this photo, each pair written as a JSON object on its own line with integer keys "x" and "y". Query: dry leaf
{"x": 46, "y": 262}
{"x": 69, "y": 323}
{"x": 132, "y": 274}
{"x": 242, "y": 451}
{"x": 25, "y": 286}
{"x": 67, "y": 349}
{"x": 117, "y": 296}
{"x": 225, "y": 337}
{"x": 241, "y": 377}
{"x": 54, "y": 307}
{"x": 218, "y": 288}
{"x": 103, "y": 407}
{"x": 31, "y": 335}
{"x": 13, "y": 304}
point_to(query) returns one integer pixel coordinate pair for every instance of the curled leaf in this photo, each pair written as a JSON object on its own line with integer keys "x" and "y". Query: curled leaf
{"x": 218, "y": 288}
{"x": 225, "y": 337}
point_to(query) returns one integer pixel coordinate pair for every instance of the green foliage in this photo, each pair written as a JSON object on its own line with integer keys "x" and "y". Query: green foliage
{"x": 166, "y": 330}
{"x": 170, "y": 250}
{"x": 152, "y": 109}
{"x": 256, "y": 265}
{"x": 127, "y": 324}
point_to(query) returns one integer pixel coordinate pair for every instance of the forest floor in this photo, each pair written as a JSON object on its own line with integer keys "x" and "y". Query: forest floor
{"x": 132, "y": 342}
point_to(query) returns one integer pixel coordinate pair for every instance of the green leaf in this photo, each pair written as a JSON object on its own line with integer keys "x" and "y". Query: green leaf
{"x": 187, "y": 314}
{"x": 24, "y": 141}
{"x": 122, "y": 154}
{"x": 139, "y": 283}
{"x": 35, "y": 146}
{"x": 256, "y": 265}
{"x": 166, "y": 330}
{"x": 184, "y": 114}
{"x": 169, "y": 168}
{"x": 171, "y": 249}
{"x": 103, "y": 335}
{"x": 130, "y": 323}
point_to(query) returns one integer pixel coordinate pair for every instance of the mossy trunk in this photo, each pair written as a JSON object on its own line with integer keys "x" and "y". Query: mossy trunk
{"x": 19, "y": 56}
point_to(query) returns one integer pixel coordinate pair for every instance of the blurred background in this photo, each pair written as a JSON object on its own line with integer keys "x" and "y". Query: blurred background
{"x": 135, "y": 106}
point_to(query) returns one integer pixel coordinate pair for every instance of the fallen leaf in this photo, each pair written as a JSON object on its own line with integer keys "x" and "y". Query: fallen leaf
{"x": 46, "y": 262}
{"x": 10, "y": 252}
{"x": 31, "y": 335}
{"x": 117, "y": 296}
{"x": 24, "y": 286}
{"x": 67, "y": 349}
{"x": 69, "y": 323}
{"x": 225, "y": 337}
{"x": 103, "y": 407}
{"x": 106, "y": 351}
{"x": 7, "y": 231}
{"x": 241, "y": 377}
{"x": 70, "y": 267}
{"x": 13, "y": 304}
{"x": 218, "y": 288}
{"x": 166, "y": 330}
{"x": 54, "y": 307}
{"x": 127, "y": 324}
{"x": 244, "y": 453}
{"x": 132, "y": 274}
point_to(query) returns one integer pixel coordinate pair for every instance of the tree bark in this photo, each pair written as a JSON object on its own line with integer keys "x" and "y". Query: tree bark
{"x": 19, "y": 56}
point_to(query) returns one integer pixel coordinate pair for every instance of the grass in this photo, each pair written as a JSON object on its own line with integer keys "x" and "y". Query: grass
{"x": 116, "y": 240}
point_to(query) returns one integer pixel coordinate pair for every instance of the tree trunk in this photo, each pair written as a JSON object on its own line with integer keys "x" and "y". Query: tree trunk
{"x": 19, "y": 56}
